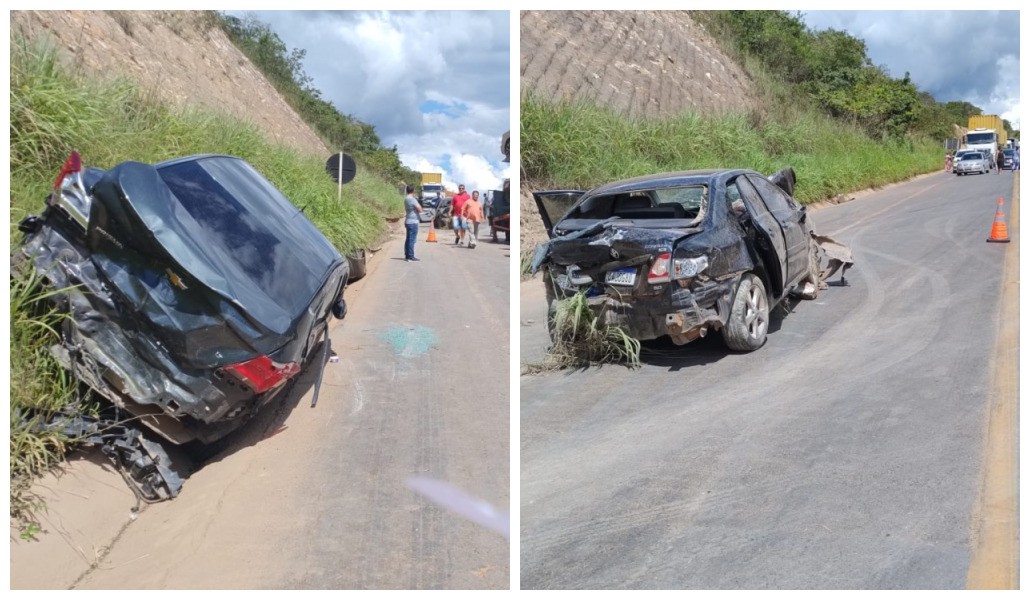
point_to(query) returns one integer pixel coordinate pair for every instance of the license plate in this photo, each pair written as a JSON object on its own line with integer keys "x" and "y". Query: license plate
{"x": 625, "y": 276}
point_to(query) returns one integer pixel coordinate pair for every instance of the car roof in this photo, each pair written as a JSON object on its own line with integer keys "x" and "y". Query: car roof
{"x": 664, "y": 180}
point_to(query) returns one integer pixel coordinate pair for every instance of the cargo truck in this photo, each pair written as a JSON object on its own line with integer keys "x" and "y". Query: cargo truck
{"x": 432, "y": 189}
{"x": 986, "y": 134}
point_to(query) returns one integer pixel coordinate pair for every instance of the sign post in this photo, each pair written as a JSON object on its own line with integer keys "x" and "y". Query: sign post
{"x": 342, "y": 169}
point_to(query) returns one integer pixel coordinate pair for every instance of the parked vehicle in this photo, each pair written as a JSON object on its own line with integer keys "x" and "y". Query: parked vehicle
{"x": 500, "y": 214}
{"x": 1010, "y": 159}
{"x": 680, "y": 254}
{"x": 195, "y": 291}
{"x": 431, "y": 194}
{"x": 971, "y": 162}
{"x": 986, "y": 134}
{"x": 442, "y": 214}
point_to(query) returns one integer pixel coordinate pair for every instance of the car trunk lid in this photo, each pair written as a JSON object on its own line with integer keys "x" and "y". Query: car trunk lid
{"x": 212, "y": 255}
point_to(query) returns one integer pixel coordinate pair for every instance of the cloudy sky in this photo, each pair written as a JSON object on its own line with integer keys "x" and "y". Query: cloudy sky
{"x": 953, "y": 55}
{"x": 435, "y": 84}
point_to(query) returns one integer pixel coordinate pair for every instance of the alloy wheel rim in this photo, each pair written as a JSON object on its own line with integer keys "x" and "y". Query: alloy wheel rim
{"x": 756, "y": 316}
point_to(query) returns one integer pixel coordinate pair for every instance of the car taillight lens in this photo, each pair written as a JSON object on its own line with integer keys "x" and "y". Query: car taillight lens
{"x": 685, "y": 268}
{"x": 262, "y": 373}
{"x": 659, "y": 272}
{"x": 72, "y": 165}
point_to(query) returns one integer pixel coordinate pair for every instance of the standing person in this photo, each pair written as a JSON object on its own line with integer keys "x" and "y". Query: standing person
{"x": 947, "y": 162}
{"x": 458, "y": 221}
{"x": 488, "y": 203}
{"x": 999, "y": 160}
{"x": 473, "y": 213}
{"x": 412, "y": 209}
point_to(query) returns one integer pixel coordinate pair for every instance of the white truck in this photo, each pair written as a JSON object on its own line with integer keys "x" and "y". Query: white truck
{"x": 986, "y": 134}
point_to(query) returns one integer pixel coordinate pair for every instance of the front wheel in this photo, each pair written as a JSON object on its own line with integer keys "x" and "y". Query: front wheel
{"x": 748, "y": 324}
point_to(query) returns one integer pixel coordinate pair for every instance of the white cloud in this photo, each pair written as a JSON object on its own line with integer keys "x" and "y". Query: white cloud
{"x": 476, "y": 173}
{"x": 472, "y": 170}
{"x": 382, "y": 66}
{"x": 963, "y": 55}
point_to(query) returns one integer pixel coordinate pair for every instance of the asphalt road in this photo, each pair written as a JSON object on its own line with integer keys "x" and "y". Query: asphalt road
{"x": 846, "y": 453}
{"x": 316, "y": 497}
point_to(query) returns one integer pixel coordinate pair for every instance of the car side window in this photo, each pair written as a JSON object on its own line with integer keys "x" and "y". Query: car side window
{"x": 735, "y": 201}
{"x": 782, "y": 206}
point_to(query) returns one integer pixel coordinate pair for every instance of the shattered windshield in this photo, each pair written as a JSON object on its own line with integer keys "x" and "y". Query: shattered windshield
{"x": 691, "y": 198}
{"x": 684, "y": 202}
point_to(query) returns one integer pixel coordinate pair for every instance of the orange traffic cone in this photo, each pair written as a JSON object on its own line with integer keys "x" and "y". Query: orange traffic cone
{"x": 432, "y": 233}
{"x": 1000, "y": 231}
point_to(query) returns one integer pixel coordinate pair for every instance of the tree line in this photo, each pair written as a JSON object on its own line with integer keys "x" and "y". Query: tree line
{"x": 833, "y": 70}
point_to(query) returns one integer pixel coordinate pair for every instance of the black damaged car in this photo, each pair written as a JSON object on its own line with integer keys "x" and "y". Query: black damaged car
{"x": 680, "y": 254}
{"x": 195, "y": 291}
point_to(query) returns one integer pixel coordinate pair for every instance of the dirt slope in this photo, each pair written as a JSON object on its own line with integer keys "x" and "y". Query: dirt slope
{"x": 652, "y": 64}
{"x": 182, "y": 56}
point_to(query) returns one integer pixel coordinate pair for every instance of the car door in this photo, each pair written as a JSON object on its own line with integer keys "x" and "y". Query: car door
{"x": 766, "y": 223}
{"x": 555, "y": 204}
{"x": 791, "y": 217}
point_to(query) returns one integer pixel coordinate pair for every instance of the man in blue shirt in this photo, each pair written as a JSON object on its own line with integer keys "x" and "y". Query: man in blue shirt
{"x": 412, "y": 209}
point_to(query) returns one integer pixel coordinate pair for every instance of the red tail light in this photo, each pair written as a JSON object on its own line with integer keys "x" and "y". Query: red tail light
{"x": 262, "y": 374}
{"x": 72, "y": 165}
{"x": 659, "y": 272}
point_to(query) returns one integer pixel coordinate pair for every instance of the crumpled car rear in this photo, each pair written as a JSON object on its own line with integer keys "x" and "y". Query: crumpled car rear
{"x": 680, "y": 254}
{"x": 195, "y": 290}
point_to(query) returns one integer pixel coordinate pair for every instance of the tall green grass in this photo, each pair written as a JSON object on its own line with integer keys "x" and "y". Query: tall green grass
{"x": 576, "y": 144}
{"x": 40, "y": 387}
{"x": 54, "y": 110}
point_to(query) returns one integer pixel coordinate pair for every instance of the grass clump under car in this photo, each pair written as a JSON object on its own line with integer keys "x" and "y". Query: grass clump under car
{"x": 579, "y": 338}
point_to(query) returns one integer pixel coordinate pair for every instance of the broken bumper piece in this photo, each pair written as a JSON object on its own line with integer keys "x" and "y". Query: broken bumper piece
{"x": 144, "y": 464}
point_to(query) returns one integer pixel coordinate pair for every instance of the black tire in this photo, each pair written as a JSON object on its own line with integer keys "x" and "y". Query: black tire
{"x": 748, "y": 324}
{"x": 357, "y": 262}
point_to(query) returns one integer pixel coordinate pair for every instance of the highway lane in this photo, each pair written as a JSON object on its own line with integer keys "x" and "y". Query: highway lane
{"x": 846, "y": 453}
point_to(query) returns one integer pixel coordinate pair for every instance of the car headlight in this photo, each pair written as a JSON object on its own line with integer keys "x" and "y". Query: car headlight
{"x": 683, "y": 268}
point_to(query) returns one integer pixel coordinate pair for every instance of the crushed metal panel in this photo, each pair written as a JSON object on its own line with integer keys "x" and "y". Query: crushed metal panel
{"x": 785, "y": 179}
{"x": 838, "y": 256}
{"x": 144, "y": 464}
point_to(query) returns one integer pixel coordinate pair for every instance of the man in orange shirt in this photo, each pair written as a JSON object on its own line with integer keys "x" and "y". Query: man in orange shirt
{"x": 458, "y": 221}
{"x": 472, "y": 210}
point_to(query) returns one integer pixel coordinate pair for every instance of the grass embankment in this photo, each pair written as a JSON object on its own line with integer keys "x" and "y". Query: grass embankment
{"x": 53, "y": 111}
{"x": 577, "y": 145}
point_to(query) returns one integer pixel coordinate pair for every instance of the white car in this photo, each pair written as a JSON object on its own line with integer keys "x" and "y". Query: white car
{"x": 971, "y": 162}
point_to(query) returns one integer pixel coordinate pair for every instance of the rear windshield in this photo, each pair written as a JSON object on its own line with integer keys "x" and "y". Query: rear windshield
{"x": 681, "y": 203}
{"x": 243, "y": 216}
